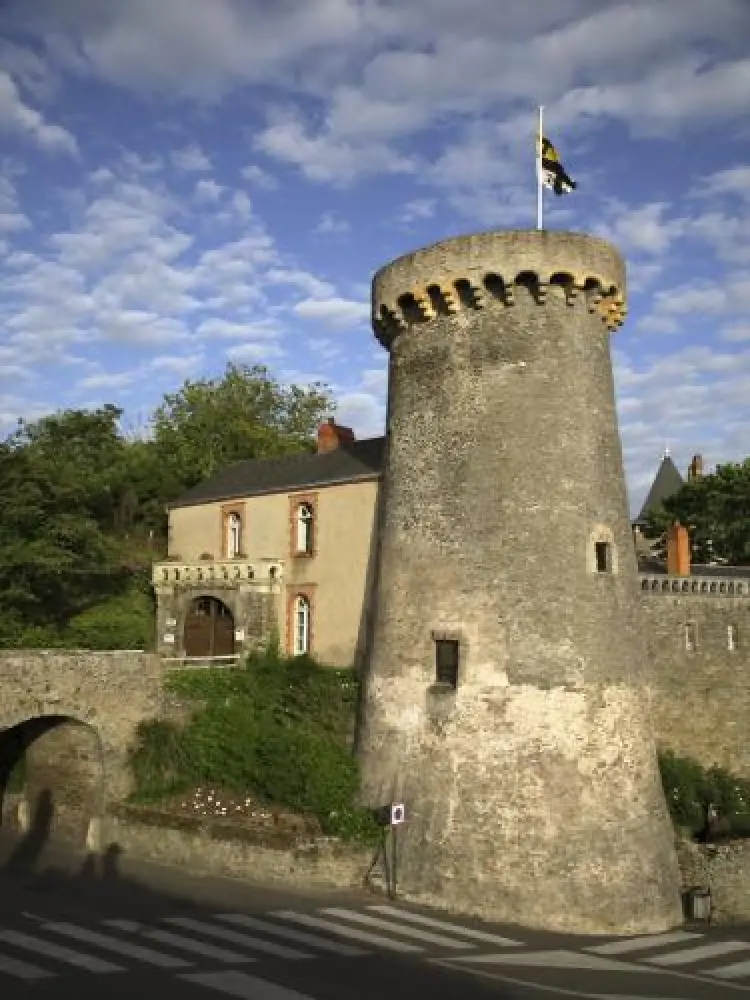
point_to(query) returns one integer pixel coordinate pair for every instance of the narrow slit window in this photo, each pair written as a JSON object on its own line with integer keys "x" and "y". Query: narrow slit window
{"x": 690, "y": 637}
{"x": 446, "y": 662}
{"x": 731, "y": 638}
{"x": 603, "y": 557}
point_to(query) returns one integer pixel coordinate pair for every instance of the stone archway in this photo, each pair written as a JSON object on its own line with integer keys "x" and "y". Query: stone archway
{"x": 57, "y": 762}
{"x": 209, "y": 629}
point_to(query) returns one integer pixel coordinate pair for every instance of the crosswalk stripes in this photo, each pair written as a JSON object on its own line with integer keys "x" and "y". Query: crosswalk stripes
{"x": 623, "y": 946}
{"x": 469, "y": 933}
{"x": 292, "y": 934}
{"x": 215, "y": 947}
{"x": 239, "y": 984}
{"x": 60, "y": 952}
{"x": 640, "y": 950}
{"x": 416, "y": 934}
{"x": 107, "y": 943}
{"x": 342, "y": 930}
{"x": 21, "y": 970}
{"x": 180, "y": 943}
{"x": 250, "y": 941}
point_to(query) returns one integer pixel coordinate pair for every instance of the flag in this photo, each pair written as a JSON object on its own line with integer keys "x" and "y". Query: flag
{"x": 553, "y": 174}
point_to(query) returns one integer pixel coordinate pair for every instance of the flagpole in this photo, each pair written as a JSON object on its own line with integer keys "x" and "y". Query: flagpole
{"x": 540, "y": 186}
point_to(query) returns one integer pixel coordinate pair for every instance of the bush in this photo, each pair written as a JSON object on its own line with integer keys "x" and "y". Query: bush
{"x": 689, "y": 787}
{"x": 121, "y": 622}
{"x": 277, "y": 727}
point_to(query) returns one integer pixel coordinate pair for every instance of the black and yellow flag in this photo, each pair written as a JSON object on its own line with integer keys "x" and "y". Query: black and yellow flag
{"x": 552, "y": 173}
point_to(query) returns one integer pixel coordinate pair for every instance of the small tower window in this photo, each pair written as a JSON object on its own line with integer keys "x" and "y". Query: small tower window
{"x": 690, "y": 637}
{"x": 304, "y": 529}
{"x": 603, "y": 554}
{"x": 446, "y": 662}
{"x": 731, "y": 638}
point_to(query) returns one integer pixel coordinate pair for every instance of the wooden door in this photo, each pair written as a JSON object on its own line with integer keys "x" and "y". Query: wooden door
{"x": 209, "y": 629}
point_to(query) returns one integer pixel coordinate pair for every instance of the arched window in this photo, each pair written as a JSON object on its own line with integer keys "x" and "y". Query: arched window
{"x": 301, "y": 625}
{"x": 305, "y": 529}
{"x": 234, "y": 536}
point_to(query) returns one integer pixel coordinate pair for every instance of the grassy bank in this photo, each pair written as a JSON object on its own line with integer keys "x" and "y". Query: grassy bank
{"x": 276, "y": 731}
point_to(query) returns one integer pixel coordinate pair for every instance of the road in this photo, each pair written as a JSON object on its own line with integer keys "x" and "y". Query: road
{"x": 132, "y": 929}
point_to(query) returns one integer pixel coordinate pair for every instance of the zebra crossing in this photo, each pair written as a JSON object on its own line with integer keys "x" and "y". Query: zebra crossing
{"x": 218, "y": 951}
{"x": 684, "y": 952}
{"x": 212, "y": 950}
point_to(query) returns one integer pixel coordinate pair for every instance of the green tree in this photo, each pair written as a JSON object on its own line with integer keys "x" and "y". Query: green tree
{"x": 209, "y": 424}
{"x": 55, "y": 560}
{"x": 716, "y": 510}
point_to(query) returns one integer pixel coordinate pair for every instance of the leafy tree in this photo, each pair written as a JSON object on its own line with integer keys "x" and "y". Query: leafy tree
{"x": 55, "y": 560}
{"x": 716, "y": 510}
{"x": 209, "y": 424}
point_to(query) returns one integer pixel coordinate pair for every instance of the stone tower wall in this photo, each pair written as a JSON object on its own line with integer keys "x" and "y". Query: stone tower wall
{"x": 532, "y": 787}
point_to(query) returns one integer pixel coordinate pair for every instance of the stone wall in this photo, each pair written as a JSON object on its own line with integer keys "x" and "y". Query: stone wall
{"x": 75, "y": 714}
{"x": 724, "y": 869}
{"x": 211, "y": 848}
{"x": 701, "y": 698}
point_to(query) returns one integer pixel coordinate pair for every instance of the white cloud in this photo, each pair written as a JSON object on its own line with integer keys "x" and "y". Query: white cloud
{"x": 334, "y": 312}
{"x": 416, "y": 210}
{"x": 207, "y": 190}
{"x": 191, "y": 159}
{"x": 104, "y": 380}
{"x": 259, "y": 178}
{"x": 325, "y": 157}
{"x": 17, "y": 116}
{"x": 331, "y": 224}
{"x": 308, "y": 283}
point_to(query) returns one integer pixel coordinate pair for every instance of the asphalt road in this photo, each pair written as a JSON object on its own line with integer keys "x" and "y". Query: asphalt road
{"x": 131, "y": 930}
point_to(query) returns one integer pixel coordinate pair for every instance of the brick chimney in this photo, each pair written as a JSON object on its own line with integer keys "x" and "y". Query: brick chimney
{"x": 331, "y": 435}
{"x": 695, "y": 469}
{"x": 678, "y": 550}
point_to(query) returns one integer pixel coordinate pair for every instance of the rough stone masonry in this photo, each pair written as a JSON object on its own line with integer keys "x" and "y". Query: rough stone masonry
{"x": 527, "y": 763}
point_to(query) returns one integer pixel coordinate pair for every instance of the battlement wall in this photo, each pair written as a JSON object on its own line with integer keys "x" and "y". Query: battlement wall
{"x": 699, "y": 654}
{"x": 498, "y": 268}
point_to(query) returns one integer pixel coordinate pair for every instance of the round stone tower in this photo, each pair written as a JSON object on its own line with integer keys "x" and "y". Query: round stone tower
{"x": 505, "y": 696}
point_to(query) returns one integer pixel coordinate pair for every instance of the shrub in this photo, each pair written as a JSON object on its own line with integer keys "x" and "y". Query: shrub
{"x": 121, "y": 622}
{"x": 689, "y": 787}
{"x": 278, "y": 727}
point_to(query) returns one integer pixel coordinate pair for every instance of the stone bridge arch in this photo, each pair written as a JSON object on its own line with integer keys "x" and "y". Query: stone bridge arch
{"x": 73, "y": 717}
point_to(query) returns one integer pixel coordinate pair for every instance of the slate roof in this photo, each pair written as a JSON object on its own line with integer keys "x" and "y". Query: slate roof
{"x": 347, "y": 463}
{"x": 667, "y": 482}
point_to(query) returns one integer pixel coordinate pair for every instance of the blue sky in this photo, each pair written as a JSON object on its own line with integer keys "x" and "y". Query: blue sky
{"x": 187, "y": 182}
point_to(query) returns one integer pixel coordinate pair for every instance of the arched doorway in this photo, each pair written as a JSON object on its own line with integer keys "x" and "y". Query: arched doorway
{"x": 209, "y": 628}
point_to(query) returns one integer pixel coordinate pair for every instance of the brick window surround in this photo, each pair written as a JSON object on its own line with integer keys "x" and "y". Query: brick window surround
{"x": 306, "y": 590}
{"x": 296, "y": 501}
{"x": 227, "y": 509}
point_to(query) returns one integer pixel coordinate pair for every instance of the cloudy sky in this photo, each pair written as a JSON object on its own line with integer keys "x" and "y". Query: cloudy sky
{"x": 185, "y": 182}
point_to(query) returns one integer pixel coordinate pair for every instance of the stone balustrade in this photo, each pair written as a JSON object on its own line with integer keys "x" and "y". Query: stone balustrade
{"x": 219, "y": 571}
{"x": 712, "y": 586}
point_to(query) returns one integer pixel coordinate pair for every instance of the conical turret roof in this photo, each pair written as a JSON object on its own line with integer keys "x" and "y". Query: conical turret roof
{"x": 667, "y": 482}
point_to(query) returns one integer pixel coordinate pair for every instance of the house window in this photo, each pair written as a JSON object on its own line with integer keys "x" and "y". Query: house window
{"x": 304, "y": 526}
{"x": 690, "y": 637}
{"x": 234, "y": 535}
{"x": 603, "y": 556}
{"x": 446, "y": 662}
{"x": 301, "y": 625}
{"x": 731, "y": 638}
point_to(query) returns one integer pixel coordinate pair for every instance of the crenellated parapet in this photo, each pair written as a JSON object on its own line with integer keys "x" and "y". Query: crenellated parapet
{"x": 500, "y": 269}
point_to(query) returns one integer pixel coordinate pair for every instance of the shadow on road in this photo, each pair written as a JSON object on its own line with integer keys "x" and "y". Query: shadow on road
{"x": 58, "y": 884}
